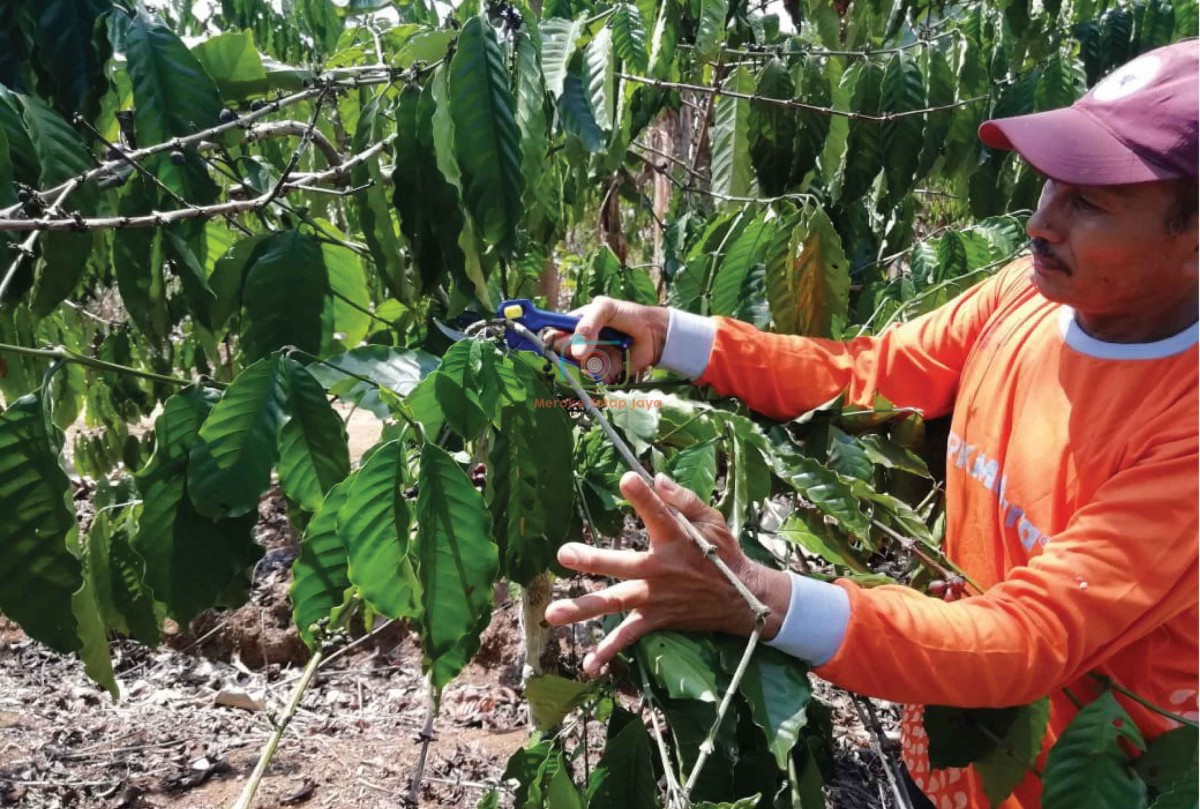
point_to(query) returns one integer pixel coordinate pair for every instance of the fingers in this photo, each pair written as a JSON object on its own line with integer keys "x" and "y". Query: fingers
{"x": 628, "y": 632}
{"x": 605, "y": 562}
{"x": 653, "y": 505}
{"x": 595, "y": 316}
{"x": 621, "y": 597}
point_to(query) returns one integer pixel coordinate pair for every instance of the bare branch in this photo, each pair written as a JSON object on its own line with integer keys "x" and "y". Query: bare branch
{"x": 277, "y": 129}
{"x": 159, "y": 219}
{"x": 799, "y": 105}
{"x": 25, "y": 249}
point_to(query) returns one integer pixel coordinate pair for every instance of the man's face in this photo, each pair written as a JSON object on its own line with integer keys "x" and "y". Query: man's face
{"x": 1107, "y": 250}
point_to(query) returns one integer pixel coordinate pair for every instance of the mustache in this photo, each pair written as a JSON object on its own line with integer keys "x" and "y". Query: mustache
{"x": 1042, "y": 249}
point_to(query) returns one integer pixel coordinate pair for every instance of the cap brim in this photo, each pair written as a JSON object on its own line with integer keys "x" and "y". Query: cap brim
{"x": 1070, "y": 146}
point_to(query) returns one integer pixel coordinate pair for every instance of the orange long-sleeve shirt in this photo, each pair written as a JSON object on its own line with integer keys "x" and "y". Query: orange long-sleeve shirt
{"x": 1071, "y": 497}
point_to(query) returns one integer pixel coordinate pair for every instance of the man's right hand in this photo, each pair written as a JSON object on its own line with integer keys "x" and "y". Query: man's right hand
{"x": 647, "y": 325}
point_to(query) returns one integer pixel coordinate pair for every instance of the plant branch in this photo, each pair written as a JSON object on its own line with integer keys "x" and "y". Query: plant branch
{"x": 806, "y": 52}
{"x": 902, "y": 800}
{"x": 246, "y": 799}
{"x": 941, "y": 564}
{"x": 25, "y": 249}
{"x": 1145, "y": 703}
{"x": 426, "y": 738}
{"x": 709, "y": 743}
{"x": 160, "y": 219}
{"x": 142, "y": 170}
{"x": 676, "y": 798}
{"x": 787, "y": 102}
{"x": 63, "y": 354}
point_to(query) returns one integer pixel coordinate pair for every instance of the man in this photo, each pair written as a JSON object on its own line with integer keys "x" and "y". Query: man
{"x": 1071, "y": 485}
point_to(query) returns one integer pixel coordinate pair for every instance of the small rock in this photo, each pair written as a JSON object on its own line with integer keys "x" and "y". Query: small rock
{"x": 237, "y": 698}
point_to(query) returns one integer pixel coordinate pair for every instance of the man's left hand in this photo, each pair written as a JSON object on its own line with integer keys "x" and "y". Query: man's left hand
{"x": 672, "y": 585}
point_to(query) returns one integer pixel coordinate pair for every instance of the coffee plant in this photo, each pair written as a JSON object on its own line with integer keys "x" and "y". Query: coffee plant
{"x": 222, "y": 219}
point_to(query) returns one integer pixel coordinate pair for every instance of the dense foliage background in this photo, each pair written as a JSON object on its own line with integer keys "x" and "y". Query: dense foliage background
{"x": 223, "y": 220}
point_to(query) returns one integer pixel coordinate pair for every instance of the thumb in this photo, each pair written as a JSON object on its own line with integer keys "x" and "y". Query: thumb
{"x": 594, "y": 316}
{"x": 689, "y": 504}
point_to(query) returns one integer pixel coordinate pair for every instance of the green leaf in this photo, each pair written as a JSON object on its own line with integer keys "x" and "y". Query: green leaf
{"x": 629, "y": 37}
{"x": 1087, "y": 767}
{"x": 320, "y": 574}
{"x": 822, "y": 487}
{"x": 903, "y": 91}
{"x": 349, "y": 300}
{"x": 374, "y": 524}
{"x": 1008, "y": 764}
{"x": 811, "y": 534}
{"x": 777, "y": 688}
{"x": 558, "y": 46}
{"x": 812, "y": 127}
{"x": 71, "y": 50}
{"x": 809, "y": 292}
{"x": 1170, "y": 762}
{"x": 1062, "y": 81}
{"x": 773, "y": 130}
{"x": 378, "y": 229}
{"x": 313, "y": 455}
{"x": 576, "y": 112}
{"x": 598, "y": 73}
{"x": 61, "y": 155}
{"x": 426, "y": 201}
{"x": 696, "y": 468}
{"x": 131, "y": 598}
{"x": 198, "y": 295}
{"x": 25, "y": 164}
{"x": 710, "y": 28}
{"x": 172, "y": 94}
{"x": 864, "y": 143}
{"x": 732, "y": 172}
{"x": 961, "y": 736}
{"x": 397, "y": 369}
{"x": 530, "y": 486}
{"x": 487, "y": 142}
{"x": 190, "y": 559}
{"x": 227, "y": 276}
{"x": 664, "y": 39}
{"x": 552, "y": 697}
{"x": 239, "y": 70}
{"x": 687, "y": 665}
{"x": 233, "y": 63}
{"x": 889, "y": 454}
{"x": 457, "y": 565}
{"x": 939, "y": 92}
{"x": 38, "y": 574}
{"x": 743, "y": 253}
{"x": 230, "y": 466}
{"x": 625, "y": 778}
{"x": 531, "y": 117}
{"x": 284, "y": 299}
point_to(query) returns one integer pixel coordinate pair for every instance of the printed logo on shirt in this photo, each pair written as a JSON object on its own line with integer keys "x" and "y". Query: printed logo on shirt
{"x": 987, "y": 473}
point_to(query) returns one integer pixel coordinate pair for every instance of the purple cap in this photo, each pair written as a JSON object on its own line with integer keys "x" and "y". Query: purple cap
{"x": 1136, "y": 125}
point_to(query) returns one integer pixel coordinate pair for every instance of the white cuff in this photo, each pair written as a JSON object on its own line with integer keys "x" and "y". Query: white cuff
{"x": 688, "y": 343}
{"x": 816, "y": 621}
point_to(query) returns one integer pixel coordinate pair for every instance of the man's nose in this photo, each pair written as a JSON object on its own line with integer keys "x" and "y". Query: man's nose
{"x": 1045, "y": 223}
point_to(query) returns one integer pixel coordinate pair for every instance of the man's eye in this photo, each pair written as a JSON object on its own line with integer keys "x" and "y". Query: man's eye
{"x": 1083, "y": 204}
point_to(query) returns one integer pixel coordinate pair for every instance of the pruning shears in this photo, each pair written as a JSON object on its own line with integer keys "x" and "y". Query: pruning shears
{"x": 594, "y": 363}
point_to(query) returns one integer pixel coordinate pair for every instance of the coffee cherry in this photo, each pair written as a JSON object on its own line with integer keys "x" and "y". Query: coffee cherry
{"x": 113, "y": 153}
{"x": 227, "y": 116}
{"x": 257, "y": 105}
{"x": 937, "y": 587}
{"x": 178, "y": 157}
{"x": 411, "y": 493}
{"x": 479, "y": 475}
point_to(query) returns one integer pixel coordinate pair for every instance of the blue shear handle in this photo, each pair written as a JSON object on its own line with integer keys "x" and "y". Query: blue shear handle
{"x": 536, "y": 319}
